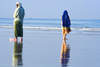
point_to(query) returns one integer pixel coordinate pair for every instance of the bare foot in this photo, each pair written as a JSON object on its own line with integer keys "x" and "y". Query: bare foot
{"x": 13, "y": 39}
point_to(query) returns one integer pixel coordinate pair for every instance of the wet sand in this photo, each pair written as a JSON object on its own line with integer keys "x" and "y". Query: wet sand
{"x": 42, "y": 48}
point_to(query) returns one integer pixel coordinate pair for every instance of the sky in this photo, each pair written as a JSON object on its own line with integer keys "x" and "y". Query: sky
{"x": 52, "y": 9}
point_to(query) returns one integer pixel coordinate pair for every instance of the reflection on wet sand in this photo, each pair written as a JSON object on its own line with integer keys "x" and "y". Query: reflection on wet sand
{"x": 17, "y": 54}
{"x": 65, "y": 54}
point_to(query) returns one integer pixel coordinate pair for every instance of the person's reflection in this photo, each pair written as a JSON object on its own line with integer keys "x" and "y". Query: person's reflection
{"x": 17, "y": 54}
{"x": 65, "y": 54}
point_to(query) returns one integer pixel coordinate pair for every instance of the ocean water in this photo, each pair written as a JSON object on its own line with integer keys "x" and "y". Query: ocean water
{"x": 53, "y": 23}
{"x": 43, "y": 48}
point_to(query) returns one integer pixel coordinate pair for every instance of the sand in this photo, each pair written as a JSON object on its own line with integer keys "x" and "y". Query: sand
{"x": 42, "y": 48}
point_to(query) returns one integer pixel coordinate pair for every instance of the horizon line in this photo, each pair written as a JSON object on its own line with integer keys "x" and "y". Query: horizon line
{"x": 55, "y": 18}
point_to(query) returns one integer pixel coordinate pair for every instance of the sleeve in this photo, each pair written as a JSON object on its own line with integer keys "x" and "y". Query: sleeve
{"x": 16, "y": 13}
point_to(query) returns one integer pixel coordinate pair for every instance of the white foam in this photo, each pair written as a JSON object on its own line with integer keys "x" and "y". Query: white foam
{"x": 53, "y": 28}
{"x": 42, "y": 28}
{"x": 7, "y": 26}
{"x": 85, "y": 28}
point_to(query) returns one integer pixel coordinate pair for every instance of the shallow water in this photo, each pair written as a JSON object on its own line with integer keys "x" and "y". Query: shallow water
{"x": 42, "y": 48}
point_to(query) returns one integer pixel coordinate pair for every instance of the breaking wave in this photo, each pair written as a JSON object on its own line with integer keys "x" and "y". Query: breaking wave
{"x": 52, "y": 28}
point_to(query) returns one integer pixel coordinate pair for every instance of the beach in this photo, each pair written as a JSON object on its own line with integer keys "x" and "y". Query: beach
{"x": 42, "y": 48}
{"x": 34, "y": 35}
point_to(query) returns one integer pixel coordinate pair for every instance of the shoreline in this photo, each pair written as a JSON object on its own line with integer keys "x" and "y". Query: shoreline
{"x": 54, "y": 28}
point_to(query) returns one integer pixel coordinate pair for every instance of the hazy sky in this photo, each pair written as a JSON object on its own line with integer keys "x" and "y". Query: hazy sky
{"x": 52, "y": 9}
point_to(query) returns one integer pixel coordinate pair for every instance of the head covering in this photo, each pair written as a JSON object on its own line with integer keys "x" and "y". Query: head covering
{"x": 19, "y": 4}
{"x": 65, "y": 19}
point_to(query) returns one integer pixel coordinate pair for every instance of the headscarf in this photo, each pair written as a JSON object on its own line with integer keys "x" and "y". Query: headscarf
{"x": 19, "y": 4}
{"x": 65, "y": 19}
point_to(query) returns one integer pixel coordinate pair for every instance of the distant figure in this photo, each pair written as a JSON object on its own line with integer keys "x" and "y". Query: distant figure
{"x": 65, "y": 24}
{"x": 18, "y": 21}
{"x": 65, "y": 54}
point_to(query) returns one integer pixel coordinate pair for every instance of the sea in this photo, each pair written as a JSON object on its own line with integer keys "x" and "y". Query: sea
{"x": 42, "y": 44}
{"x": 76, "y": 24}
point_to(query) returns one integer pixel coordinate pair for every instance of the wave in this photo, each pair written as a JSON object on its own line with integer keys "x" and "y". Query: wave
{"x": 31, "y": 27}
{"x": 86, "y": 29}
{"x": 52, "y": 28}
{"x": 42, "y": 28}
{"x": 6, "y": 26}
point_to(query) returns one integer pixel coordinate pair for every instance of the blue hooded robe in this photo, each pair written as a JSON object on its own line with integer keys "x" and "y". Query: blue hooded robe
{"x": 65, "y": 19}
